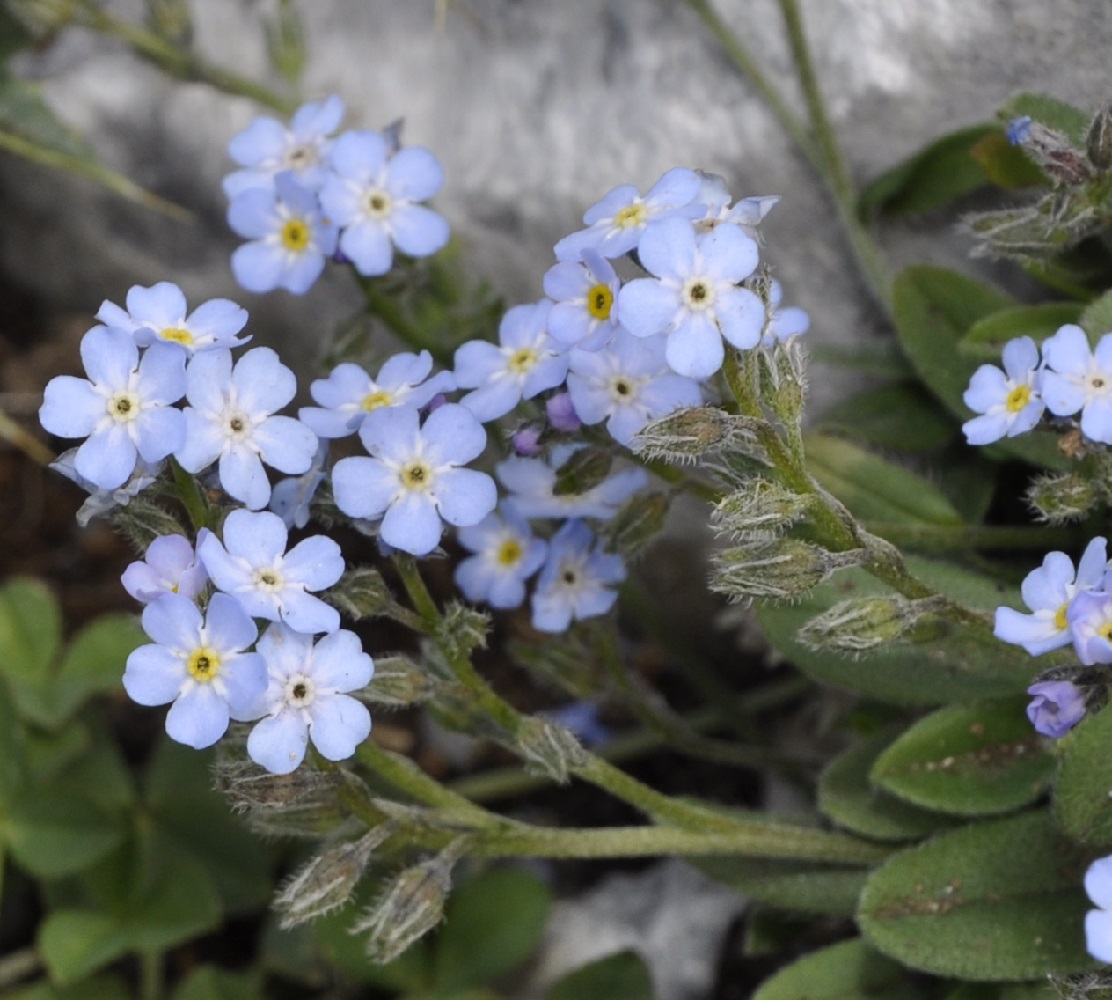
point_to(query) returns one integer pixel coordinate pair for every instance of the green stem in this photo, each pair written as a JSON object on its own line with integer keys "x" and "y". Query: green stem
{"x": 180, "y": 62}
{"x": 386, "y": 309}
{"x": 405, "y": 775}
{"x": 150, "y": 975}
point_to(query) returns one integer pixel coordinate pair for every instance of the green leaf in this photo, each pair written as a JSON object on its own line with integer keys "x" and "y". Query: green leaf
{"x": 99, "y": 988}
{"x": 13, "y": 747}
{"x": 211, "y": 983}
{"x": 1005, "y": 991}
{"x": 984, "y": 343}
{"x": 806, "y": 886}
{"x": 873, "y": 489}
{"x": 960, "y": 666}
{"x": 94, "y": 661}
{"x": 30, "y": 631}
{"x": 1081, "y": 800}
{"x": 623, "y": 975}
{"x": 1005, "y": 165}
{"x": 849, "y": 970}
{"x": 902, "y": 417}
{"x": 942, "y": 172}
{"x": 1096, "y": 320}
{"x": 74, "y": 943}
{"x": 1050, "y": 111}
{"x": 52, "y": 832}
{"x": 492, "y": 924}
{"x": 970, "y": 760}
{"x": 997, "y": 901}
{"x": 850, "y": 799}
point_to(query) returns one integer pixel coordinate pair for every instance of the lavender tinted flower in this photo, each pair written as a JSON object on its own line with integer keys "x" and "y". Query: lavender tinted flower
{"x": 1090, "y": 623}
{"x": 505, "y": 555}
{"x": 560, "y": 410}
{"x": 1057, "y": 707}
{"x": 159, "y": 314}
{"x": 1019, "y": 130}
{"x": 307, "y": 698}
{"x": 574, "y": 583}
{"x": 170, "y": 566}
{"x": 526, "y": 441}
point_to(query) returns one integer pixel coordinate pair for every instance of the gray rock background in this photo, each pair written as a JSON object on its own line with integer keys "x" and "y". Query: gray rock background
{"x": 536, "y": 109}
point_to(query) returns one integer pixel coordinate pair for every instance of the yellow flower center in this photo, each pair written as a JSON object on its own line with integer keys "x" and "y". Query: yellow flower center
{"x": 204, "y": 664}
{"x": 295, "y": 235}
{"x": 377, "y": 399}
{"x": 599, "y": 301}
{"x": 176, "y": 334}
{"x": 123, "y": 406}
{"x": 1017, "y": 398}
{"x": 510, "y": 552}
{"x": 1105, "y": 631}
{"x": 416, "y": 476}
{"x": 1060, "y": 618}
{"x": 632, "y": 216}
{"x": 522, "y": 360}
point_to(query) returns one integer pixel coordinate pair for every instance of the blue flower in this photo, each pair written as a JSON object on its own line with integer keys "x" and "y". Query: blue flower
{"x": 525, "y": 362}
{"x": 574, "y": 583}
{"x": 561, "y": 414}
{"x": 200, "y": 665}
{"x": 1019, "y": 130}
{"x": 252, "y": 565}
{"x": 694, "y": 298}
{"x": 748, "y": 213}
{"x": 1076, "y": 378}
{"x": 230, "y": 420}
{"x": 267, "y": 147}
{"x": 1090, "y": 621}
{"x": 290, "y": 498}
{"x": 373, "y": 197}
{"x": 307, "y": 698}
{"x": 1057, "y": 707}
{"x": 506, "y": 555}
{"x": 582, "y": 718}
{"x": 1098, "y": 923}
{"x": 122, "y": 410}
{"x": 349, "y": 393}
{"x": 288, "y": 237}
{"x": 783, "y": 323}
{"x": 414, "y": 479}
{"x": 627, "y": 384}
{"x": 585, "y": 295}
{"x": 100, "y": 501}
{"x": 1008, "y": 400}
{"x": 158, "y": 314}
{"x": 170, "y": 566}
{"x": 532, "y": 485}
{"x": 616, "y": 224}
{"x": 1048, "y": 591}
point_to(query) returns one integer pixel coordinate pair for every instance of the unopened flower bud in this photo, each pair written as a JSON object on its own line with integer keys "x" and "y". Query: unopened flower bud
{"x": 784, "y": 380}
{"x": 142, "y": 521}
{"x": 583, "y": 471}
{"x": 758, "y": 507}
{"x": 1062, "y": 498}
{"x": 361, "y": 593}
{"x": 864, "y": 623}
{"x": 1053, "y": 151}
{"x": 549, "y": 748}
{"x": 775, "y": 570}
{"x": 410, "y": 906}
{"x": 1057, "y": 707}
{"x": 526, "y": 441}
{"x": 1098, "y": 142}
{"x": 685, "y": 435}
{"x": 637, "y": 524}
{"x": 561, "y": 413}
{"x": 327, "y": 880}
{"x": 463, "y": 629}
{"x": 398, "y": 682}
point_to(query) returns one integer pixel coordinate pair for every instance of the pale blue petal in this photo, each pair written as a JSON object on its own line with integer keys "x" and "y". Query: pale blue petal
{"x": 263, "y": 139}
{"x": 1093, "y": 564}
{"x": 729, "y": 254}
{"x": 158, "y": 432}
{"x": 258, "y": 267}
{"x": 359, "y": 155}
{"x": 985, "y": 429}
{"x": 668, "y": 250}
{"x": 695, "y": 349}
{"x": 987, "y": 388}
{"x": 648, "y": 307}
{"x": 339, "y": 724}
{"x": 71, "y": 407}
{"x": 494, "y": 400}
{"x": 286, "y": 444}
{"x": 153, "y": 675}
{"x": 245, "y": 681}
{"x": 207, "y": 379}
{"x": 107, "y": 457}
{"x": 262, "y": 382}
{"x": 173, "y": 621}
{"x": 412, "y": 524}
{"x": 1067, "y": 350}
{"x": 1098, "y": 884}
{"x": 363, "y": 487}
{"x": 203, "y": 444}
{"x": 252, "y": 214}
{"x": 315, "y": 562}
{"x": 340, "y": 664}
{"x": 109, "y": 356}
{"x": 415, "y": 174}
{"x": 1020, "y": 356}
{"x": 391, "y": 433}
{"x": 418, "y": 231}
{"x": 198, "y": 718}
{"x": 1045, "y": 588}
{"x": 161, "y": 377}
{"x": 465, "y": 496}
{"x": 367, "y": 244}
{"x": 228, "y": 626}
{"x": 453, "y": 434}
{"x": 1096, "y": 420}
{"x": 475, "y": 362}
{"x": 242, "y": 475}
{"x": 308, "y": 614}
{"x": 278, "y": 743}
{"x": 1036, "y": 635}
{"x": 741, "y": 316}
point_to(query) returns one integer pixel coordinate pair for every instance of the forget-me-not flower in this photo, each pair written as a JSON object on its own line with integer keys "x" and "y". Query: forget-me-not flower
{"x": 576, "y": 579}
{"x": 1078, "y": 378}
{"x": 252, "y": 565}
{"x": 783, "y": 322}
{"x": 1098, "y": 923}
{"x": 159, "y": 313}
{"x": 1089, "y": 616}
{"x": 414, "y": 479}
{"x": 290, "y": 498}
{"x": 506, "y": 554}
{"x": 374, "y": 197}
{"x": 198, "y": 663}
{"x": 122, "y": 409}
{"x": 693, "y": 297}
{"x": 1056, "y": 707}
{"x": 584, "y": 294}
{"x": 1008, "y": 401}
{"x": 100, "y": 501}
{"x": 230, "y": 420}
{"x": 1048, "y": 592}
{"x": 307, "y": 698}
{"x": 748, "y": 213}
{"x": 170, "y": 566}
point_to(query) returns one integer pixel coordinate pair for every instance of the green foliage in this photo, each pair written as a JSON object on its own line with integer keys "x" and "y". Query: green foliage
{"x": 1071, "y": 121}
{"x": 901, "y": 417}
{"x": 850, "y": 970}
{"x": 998, "y": 901}
{"x": 807, "y": 886}
{"x": 623, "y": 974}
{"x": 986, "y": 338}
{"x": 1081, "y": 794}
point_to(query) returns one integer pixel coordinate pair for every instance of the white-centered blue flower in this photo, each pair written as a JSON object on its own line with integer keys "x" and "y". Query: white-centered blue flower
{"x": 532, "y": 486}
{"x": 506, "y": 554}
{"x": 101, "y": 501}
{"x": 584, "y": 312}
{"x": 1075, "y": 378}
{"x": 1049, "y": 591}
{"x": 200, "y": 664}
{"x": 159, "y": 313}
{"x": 1098, "y": 922}
{"x": 693, "y": 298}
{"x": 576, "y": 579}
{"x": 252, "y": 565}
{"x": 123, "y": 409}
{"x": 291, "y": 498}
{"x": 1009, "y": 401}
{"x": 616, "y": 224}
{"x": 267, "y": 147}
{"x": 349, "y": 393}
{"x": 1090, "y": 622}
{"x": 231, "y": 421}
{"x": 415, "y": 479}
{"x": 748, "y": 213}
{"x": 525, "y": 362}
{"x": 288, "y": 238}
{"x": 307, "y": 698}
{"x": 374, "y": 197}
{"x": 627, "y": 384}
{"x": 170, "y": 566}
{"x": 783, "y": 322}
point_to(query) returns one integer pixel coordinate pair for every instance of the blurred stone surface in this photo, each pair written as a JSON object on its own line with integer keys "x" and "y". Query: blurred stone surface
{"x": 536, "y": 109}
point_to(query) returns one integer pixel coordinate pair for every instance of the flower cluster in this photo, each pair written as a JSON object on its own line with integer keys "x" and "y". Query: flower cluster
{"x": 1072, "y": 380}
{"x": 304, "y": 194}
